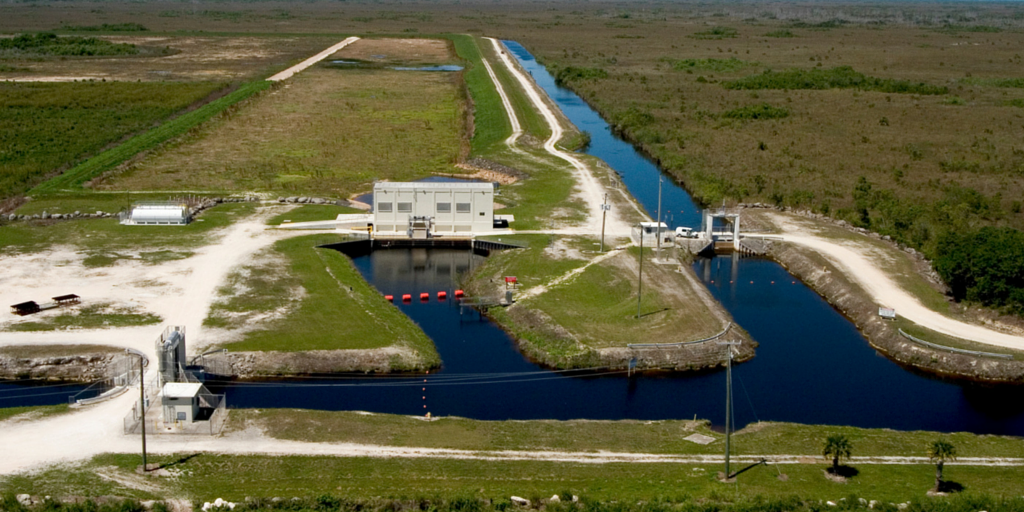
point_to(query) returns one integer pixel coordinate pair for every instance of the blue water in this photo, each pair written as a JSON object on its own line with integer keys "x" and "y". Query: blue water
{"x": 26, "y": 393}
{"x": 444, "y": 67}
{"x": 812, "y": 366}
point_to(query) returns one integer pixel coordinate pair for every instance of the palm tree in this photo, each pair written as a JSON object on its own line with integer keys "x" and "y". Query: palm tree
{"x": 939, "y": 452}
{"x": 837, "y": 447}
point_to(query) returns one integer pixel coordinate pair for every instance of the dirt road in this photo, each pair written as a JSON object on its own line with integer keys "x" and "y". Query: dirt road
{"x": 288, "y": 73}
{"x": 590, "y": 190}
{"x": 855, "y": 260}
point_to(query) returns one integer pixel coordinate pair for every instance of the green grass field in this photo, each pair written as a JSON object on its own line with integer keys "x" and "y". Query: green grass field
{"x": 36, "y": 411}
{"x": 203, "y": 477}
{"x": 44, "y": 126}
{"x": 108, "y": 237}
{"x": 337, "y": 309}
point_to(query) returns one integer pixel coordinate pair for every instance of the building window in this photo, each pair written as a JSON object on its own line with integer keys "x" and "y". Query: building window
{"x": 444, "y": 207}
{"x": 463, "y": 207}
{"x": 384, "y": 207}
{"x": 404, "y": 207}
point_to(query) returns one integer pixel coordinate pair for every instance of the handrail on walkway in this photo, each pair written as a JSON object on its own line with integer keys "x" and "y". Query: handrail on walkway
{"x": 680, "y": 343}
{"x": 951, "y": 349}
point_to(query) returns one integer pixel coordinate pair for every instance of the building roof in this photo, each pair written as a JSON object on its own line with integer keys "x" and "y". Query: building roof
{"x": 164, "y": 213}
{"x": 653, "y": 225}
{"x": 429, "y": 185}
{"x": 182, "y": 389}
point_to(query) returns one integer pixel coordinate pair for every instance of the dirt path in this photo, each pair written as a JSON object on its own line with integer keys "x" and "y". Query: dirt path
{"x": 857, "y": 263}
{"x": 288, "y": 73}
{"x": 180, "y": 292}
{"x": 590, "y": 190}
{"x": 82, "y": 434}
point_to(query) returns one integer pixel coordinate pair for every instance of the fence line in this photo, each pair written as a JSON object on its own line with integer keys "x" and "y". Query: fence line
{"x": 951, "y": 349}
{"x": 681, "y": 343}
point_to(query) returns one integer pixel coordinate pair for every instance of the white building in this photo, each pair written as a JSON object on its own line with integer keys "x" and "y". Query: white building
{"x": 180, "y": 401}
{"x": 157, "y": 214}
{"x": 649, "y": 231}
{"x": 420, "y": 209}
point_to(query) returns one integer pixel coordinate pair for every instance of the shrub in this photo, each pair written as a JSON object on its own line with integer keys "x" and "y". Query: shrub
{"x": 573, "y": 74}
{"x": 843, "y": 77}
{"x": 985, "y": 266}
{"x": 753, "y": 112}
{"x": 107, "y": 27}
{"x": 69, "y": 46}
{"x": 716, "y": 33}
{"x": 715, "y": 65}
{"x": 780, "y": 33}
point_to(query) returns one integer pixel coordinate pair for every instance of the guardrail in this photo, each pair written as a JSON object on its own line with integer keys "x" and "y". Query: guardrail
{"x": 681, "y": 343}
{"x": 951, "y": 349}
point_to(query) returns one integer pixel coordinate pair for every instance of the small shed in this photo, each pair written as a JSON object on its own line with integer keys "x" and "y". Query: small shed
{"x": 67, "y": 300}
{"x": 181, "y": 401}
{"x": 25, "y": 308}
{"x": 158, "y": 214}
{"x": 650, "y": 231}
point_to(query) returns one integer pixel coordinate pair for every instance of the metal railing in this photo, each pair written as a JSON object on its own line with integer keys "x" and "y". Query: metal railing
{"x": 681, "y": 343}
{"x": 952, "y": 349}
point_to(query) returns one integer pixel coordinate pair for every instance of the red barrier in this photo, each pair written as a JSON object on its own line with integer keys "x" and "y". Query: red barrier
{"x": 424, "y": 296}
{"x": 407, "y": 297}
{"x": 458, "y": 293}
{"x": 442, "y": 295}
{"x": 389, "y": 298}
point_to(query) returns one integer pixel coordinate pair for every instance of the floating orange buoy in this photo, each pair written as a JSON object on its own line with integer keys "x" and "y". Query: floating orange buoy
{"x": 458, "y": 293}
{"x": 407, "y": 297}
{"x": 424, "y": 296}
{"x": 442, "y": 295}
{"x": 389, "y": 298}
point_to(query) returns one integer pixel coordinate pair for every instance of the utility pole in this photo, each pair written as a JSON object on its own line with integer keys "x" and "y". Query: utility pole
{"x": 142, "y": 405}
{"x": 640, "y": 281}
{"x": 604, "y": 215}
{"x": 728, "y": 401}
{"x": 658, "y": 250}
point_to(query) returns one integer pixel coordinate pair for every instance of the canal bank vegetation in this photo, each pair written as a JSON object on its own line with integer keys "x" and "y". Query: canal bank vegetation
{"x": 558, "y": 502}
{"x": 645, "y": 485}
{"x": 924, "y": 151}
{"x": 304, "y": 309}
{"x": 577, "y": 307}
{"x": 842, "y": 291}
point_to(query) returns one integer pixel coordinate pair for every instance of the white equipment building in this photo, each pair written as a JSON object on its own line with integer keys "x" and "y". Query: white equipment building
{"x": 424, "y": 209}
{"x": 180, "y": 401}
{"x": 649, "y": 232}
{"x": 157, "y": 214}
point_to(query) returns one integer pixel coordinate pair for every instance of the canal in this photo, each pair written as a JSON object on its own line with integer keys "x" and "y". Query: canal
{"x": 812, "y": 366}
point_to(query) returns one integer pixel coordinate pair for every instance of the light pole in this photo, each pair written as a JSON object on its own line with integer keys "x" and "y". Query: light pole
{"x": 142, "y": 405}
{"x": 640, "y": 281}
{"x": 728, "y": 401}
{"x": 604, "y": 215}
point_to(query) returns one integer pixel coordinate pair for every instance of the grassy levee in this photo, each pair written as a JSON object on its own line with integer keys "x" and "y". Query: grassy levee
{"x": 331, "y": 285}
{"x": 661, "y": 437}
{"x": 205, "y": 476}
{"x": 490, "y": 124}
{"x": 530, "y": 119}
{"x": 44, "y": 126}
{"x": 923, "y": 333}
{"x": 93, "y": 167}
{"x": 32, "y": 411}
{"x": 564, "y": 324}
{"x": 108, "y": 236}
